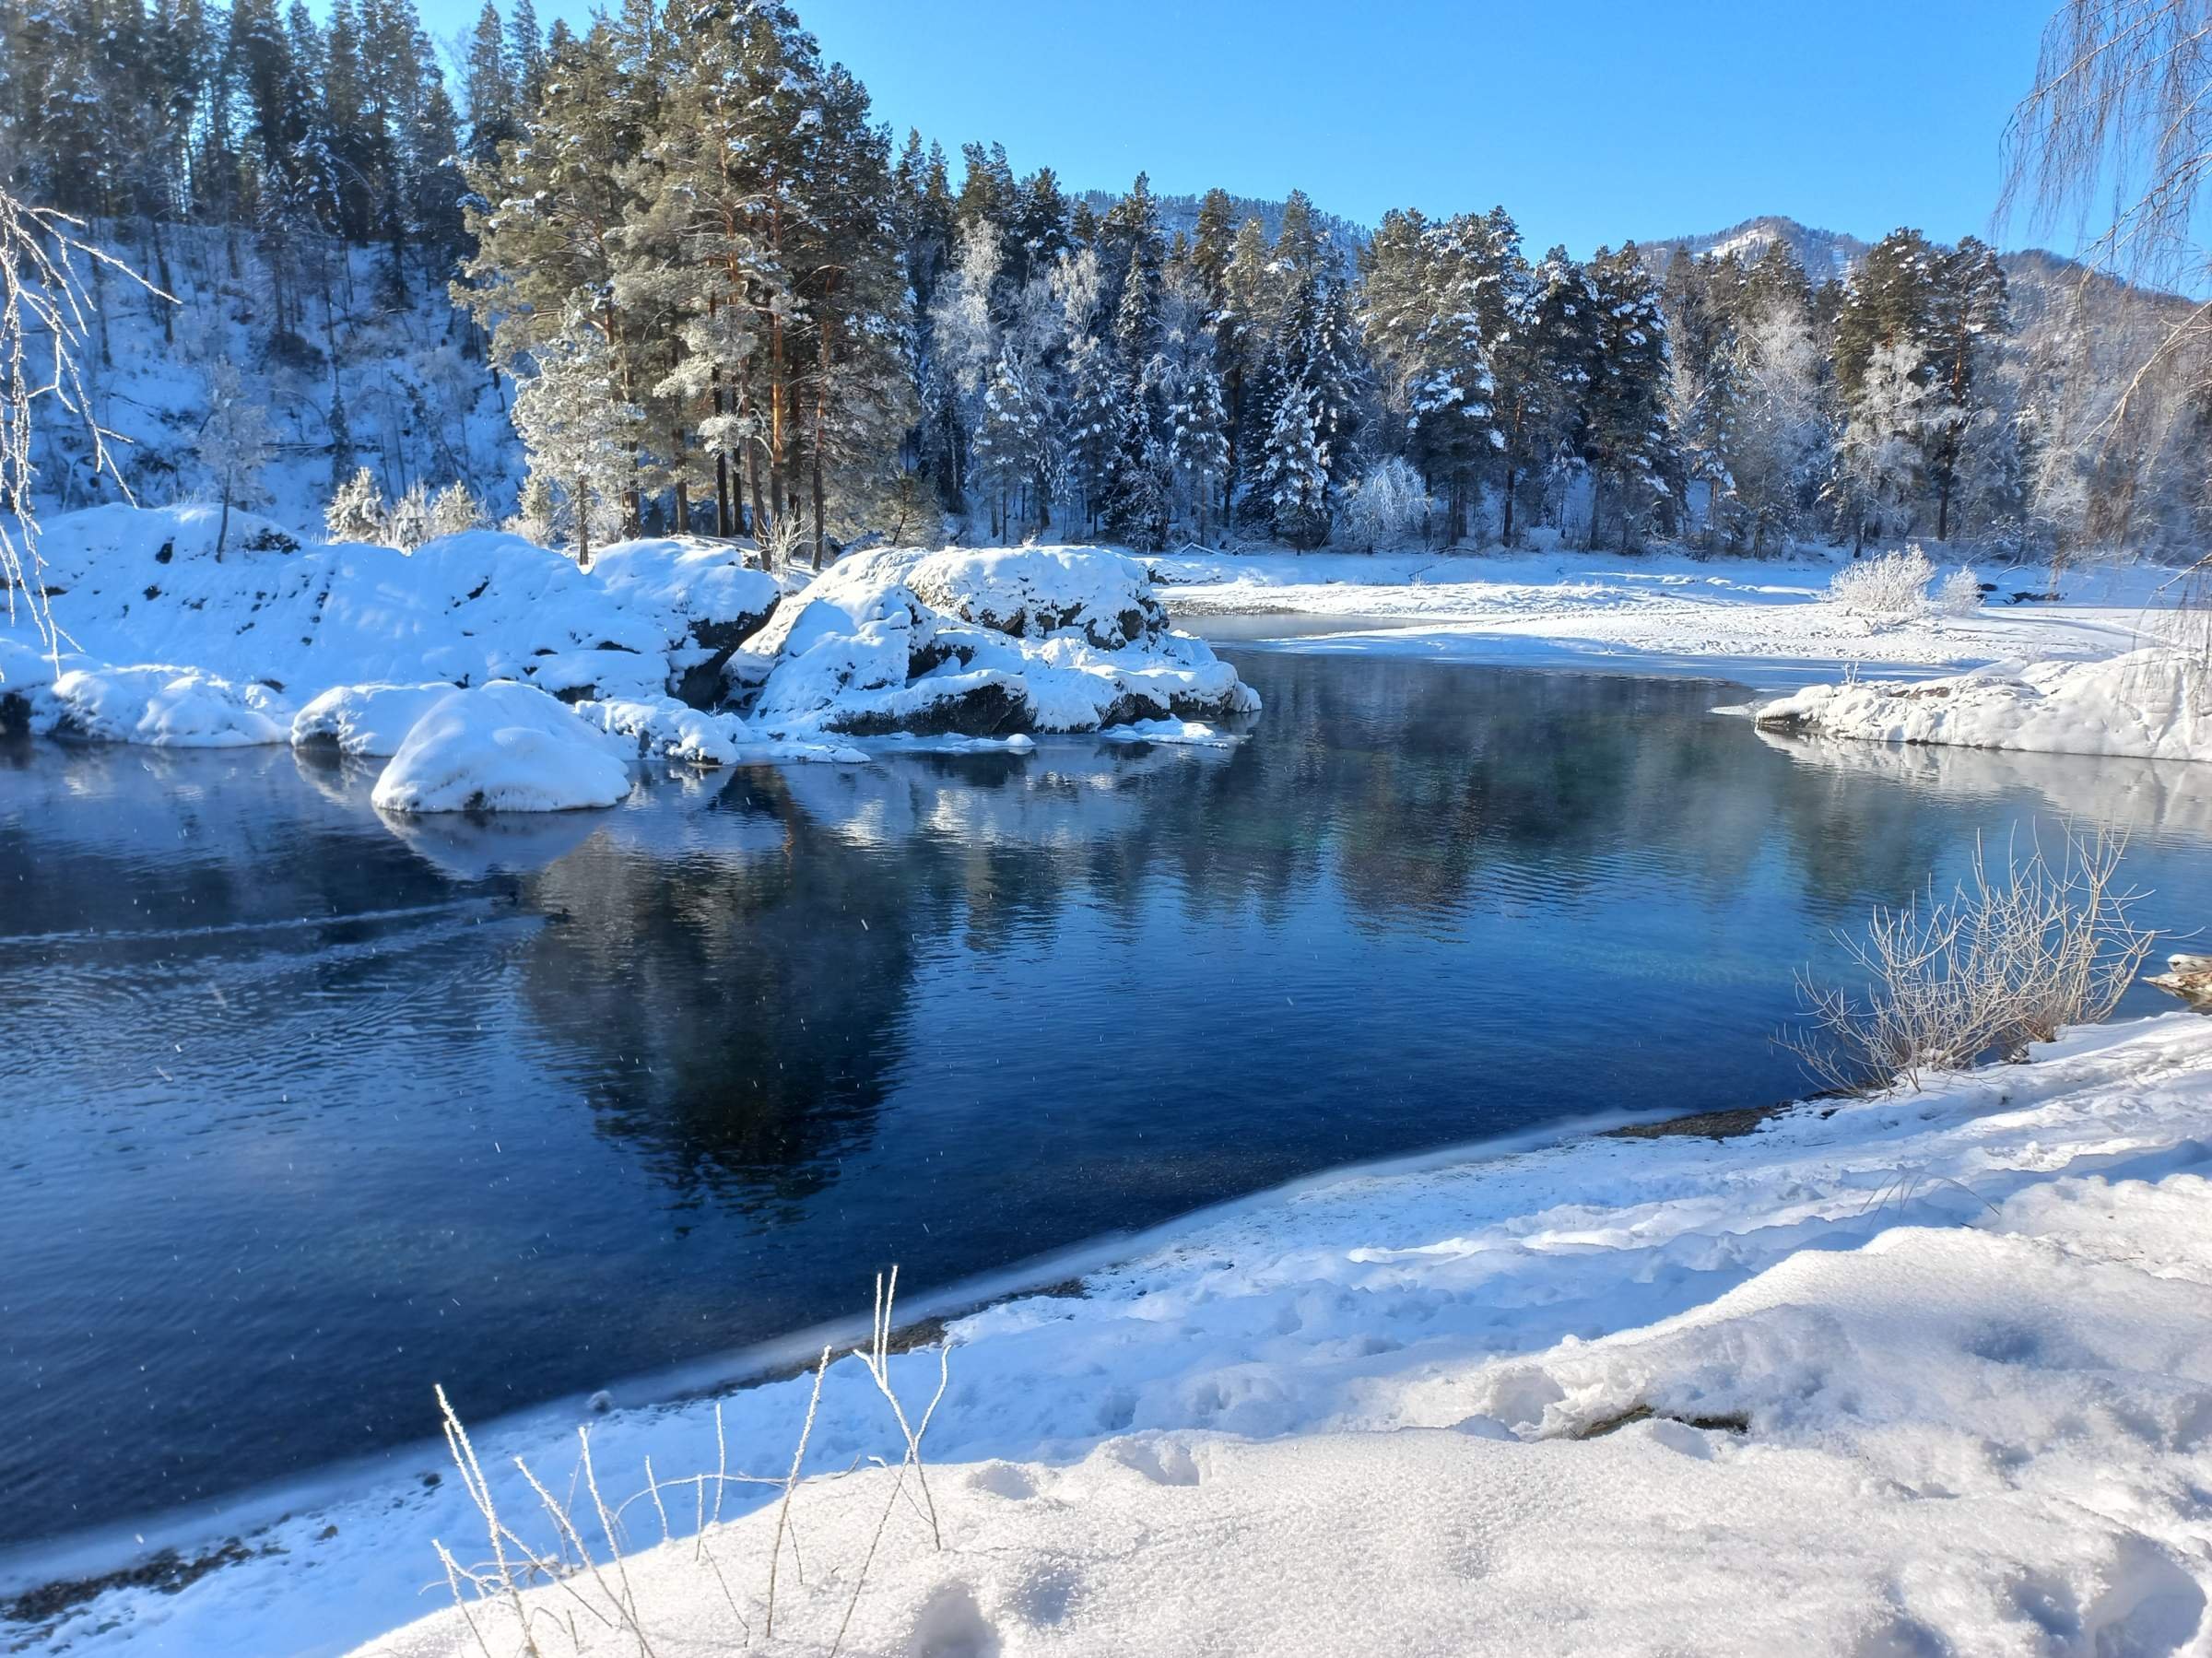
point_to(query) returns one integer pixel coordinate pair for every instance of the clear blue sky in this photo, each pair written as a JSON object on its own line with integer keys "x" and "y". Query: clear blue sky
{"x": 1590, "y": 122}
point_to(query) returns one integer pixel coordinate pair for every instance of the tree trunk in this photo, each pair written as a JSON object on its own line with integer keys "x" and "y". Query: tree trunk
{"x": 1513, "y": 474}
{"x": 581, "y": 499}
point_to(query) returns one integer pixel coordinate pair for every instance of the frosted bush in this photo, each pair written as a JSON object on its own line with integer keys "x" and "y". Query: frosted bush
{"x": 538, "y": 515}
{"x": 408, "y": 525}
{"x": 1958, "y": 593}
{"x": 1389, "y": 507}
{"x": 456, "y": 510}
{"x": 357, "y": 512}
{"x": 1892, "y": 588}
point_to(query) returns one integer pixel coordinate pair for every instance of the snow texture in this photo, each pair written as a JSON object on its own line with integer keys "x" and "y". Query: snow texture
{"x": 2151, "y": 704}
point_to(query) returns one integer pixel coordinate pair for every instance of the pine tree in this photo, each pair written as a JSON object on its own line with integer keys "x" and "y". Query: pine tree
{"x": 1624, "y": 426}
{"x": 1294, "y": 472}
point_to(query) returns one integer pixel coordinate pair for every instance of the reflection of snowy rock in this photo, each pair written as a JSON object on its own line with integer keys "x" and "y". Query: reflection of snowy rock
{"x": 2155, "y": 704}
{"x": 982, "y": 644}
{"x": 365, "y": 719}
{"x": 474, "y": 846}
{"x": 502, "y": 748}
{"x": 164, "y": 707}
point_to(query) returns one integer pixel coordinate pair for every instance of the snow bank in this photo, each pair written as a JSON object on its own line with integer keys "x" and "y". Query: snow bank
{"x": 982, "y": 644}
{"x": 676, "y": 645}
{"x": 674, "y": 730}
{"x": 134, "y": 586}
{"x": 1927, "y": 1372}
{"x": 2153, "y": 704}
{"x": 163, "y": 707}
{"x": 501, "y": 748}
{"x": 366, "y": 719}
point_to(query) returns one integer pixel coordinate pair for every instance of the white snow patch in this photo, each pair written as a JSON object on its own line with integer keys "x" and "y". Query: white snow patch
{"x": 366, "y": 719}
{"x": 164, "y": 708}
{"x": 2151, "y": 704}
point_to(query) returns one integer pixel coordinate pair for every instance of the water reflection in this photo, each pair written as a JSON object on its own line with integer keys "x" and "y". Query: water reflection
{"x": 304, "y": 1107}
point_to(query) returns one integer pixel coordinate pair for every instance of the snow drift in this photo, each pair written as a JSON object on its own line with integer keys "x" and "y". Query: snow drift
{"x": 2155, "y": 704}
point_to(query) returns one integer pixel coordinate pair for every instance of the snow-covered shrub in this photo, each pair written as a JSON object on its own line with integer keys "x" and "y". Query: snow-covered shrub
{"x": 786, "y": 540}
{"x": 1892, "y": 588}
{"x": 2009, "y": 958}
{"x": 1389, "y": 507}
{"x": 456, "y": 510}
{"x": 408, "y": 524}
{"x": 1958, "y": 593}
{"x": 537, "y": 514}
{"x": 357, "y": 512}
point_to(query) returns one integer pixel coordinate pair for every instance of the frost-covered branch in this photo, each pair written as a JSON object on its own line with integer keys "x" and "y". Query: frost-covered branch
{"x": 45, "y": 328}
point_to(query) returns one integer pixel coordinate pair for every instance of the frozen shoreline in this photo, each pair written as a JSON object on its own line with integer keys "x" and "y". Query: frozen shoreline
{"x": 1518, "y": 1298}
{"x": 1598, "y": 609}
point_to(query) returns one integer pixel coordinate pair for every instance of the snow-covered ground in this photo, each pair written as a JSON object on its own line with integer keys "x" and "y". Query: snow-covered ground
{"x": 1921, "y": 1373}
{"x": 2154, "y": 703}
{"x": 1757, "y": 617}
{"x": 554, "y": 678}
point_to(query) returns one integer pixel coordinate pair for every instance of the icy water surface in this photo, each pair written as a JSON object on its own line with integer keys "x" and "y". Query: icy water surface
{"x": 301, "y": 1111}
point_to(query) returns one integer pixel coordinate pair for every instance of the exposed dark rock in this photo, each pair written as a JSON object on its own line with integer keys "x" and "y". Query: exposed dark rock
{"x": 981, "y": 710}
{"x": 702, "y": 685}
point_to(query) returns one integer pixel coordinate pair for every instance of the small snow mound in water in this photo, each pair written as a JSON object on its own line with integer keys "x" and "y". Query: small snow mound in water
{"x": 366, "y": 719}
{"x": 166, "y": 708}
{"x": 2151, "y": 704}
{"x": 501, "y": 748}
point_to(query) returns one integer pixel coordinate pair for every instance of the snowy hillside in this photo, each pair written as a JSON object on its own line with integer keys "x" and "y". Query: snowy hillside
{"x": 1824, "y": 255}
{"x": 361, "y": 378}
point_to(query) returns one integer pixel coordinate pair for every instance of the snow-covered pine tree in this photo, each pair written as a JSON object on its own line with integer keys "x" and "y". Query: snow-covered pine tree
{"x": 581, "y": 442}
{"x": 1294, "y": 471}
{"x": 1625, "y": 438}
{"x": 1968, "y": 328}
{"x": 356, "y": 511}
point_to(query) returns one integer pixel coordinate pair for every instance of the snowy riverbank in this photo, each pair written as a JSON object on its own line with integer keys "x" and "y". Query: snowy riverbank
{"x": 1754, "y": 616}
{"x": 1930, "y": 1370}
{"x": 499, "y": 675}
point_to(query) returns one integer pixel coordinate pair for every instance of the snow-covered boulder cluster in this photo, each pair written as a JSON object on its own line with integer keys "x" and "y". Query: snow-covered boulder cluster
{"x": 979, "y": 643}
{"x": 498, "y": 676}
{"x": 2155, "y": 704}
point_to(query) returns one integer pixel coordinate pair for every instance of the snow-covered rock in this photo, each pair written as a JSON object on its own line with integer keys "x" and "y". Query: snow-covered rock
{"x": 366, "y": 719}
{"x": 163, "y": 707}
{"x": 1035, "y": 591}
{"x": 2153, "y": 703}
{"x": 983, "y": 644}
{"x": 134, "y": 586}
{"x": 672, "y": 729}
{"x": 899, "y": 642}
{"x": 502, "y": 748}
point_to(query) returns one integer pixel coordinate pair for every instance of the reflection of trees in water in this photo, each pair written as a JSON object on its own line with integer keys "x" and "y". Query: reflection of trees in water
{"x": 743, "y": 1002}
{"x": 748, "y": 1025}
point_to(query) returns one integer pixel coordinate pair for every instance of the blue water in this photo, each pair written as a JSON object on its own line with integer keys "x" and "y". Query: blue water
{"x": 301, "y": 1113}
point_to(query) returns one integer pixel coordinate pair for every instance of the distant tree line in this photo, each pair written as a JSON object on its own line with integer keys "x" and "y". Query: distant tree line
{"x": 730, "y": 303}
